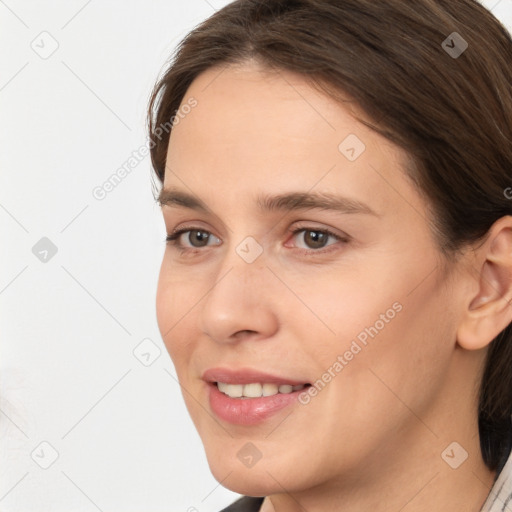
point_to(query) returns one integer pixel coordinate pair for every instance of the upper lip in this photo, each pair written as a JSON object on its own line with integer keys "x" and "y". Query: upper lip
{"x": 246, "y": 376}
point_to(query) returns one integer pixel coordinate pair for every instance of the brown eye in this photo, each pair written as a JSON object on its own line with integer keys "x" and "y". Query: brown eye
{"x": 316, "y": 238}
{"x": 197, "y": 238}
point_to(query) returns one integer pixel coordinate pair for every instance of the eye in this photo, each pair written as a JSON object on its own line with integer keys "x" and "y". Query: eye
{"x": 196, "y": 236}
{"x": 316, "y": 239}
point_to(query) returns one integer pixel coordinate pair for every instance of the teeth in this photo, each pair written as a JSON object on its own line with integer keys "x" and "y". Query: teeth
{"x": 255, "y": 390}
{"x": 270, "y": 389}
{"x": 233, "y": 390}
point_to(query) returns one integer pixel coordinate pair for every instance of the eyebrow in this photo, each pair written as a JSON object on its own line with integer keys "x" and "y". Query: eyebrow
{"x": 292, "y": 201}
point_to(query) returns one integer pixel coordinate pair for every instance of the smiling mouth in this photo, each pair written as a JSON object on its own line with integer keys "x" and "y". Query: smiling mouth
{"x": 257, "y": 390}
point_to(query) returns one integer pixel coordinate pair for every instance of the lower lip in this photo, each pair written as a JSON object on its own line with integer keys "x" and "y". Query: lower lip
{"x": 248, "y": 411}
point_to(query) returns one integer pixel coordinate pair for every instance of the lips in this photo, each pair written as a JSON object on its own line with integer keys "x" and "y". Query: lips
{"x": 248, "y": 376}
{"x": 249, "y": 410}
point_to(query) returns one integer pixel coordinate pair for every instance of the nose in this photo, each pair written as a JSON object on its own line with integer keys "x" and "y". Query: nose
{"x": 242, "y": 301}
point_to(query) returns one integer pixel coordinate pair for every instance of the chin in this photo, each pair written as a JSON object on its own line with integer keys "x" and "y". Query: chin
{"x": 248, "y": 482}
{"x": 264, "y": 478}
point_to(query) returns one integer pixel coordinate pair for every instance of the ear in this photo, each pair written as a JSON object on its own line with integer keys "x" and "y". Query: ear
{"x": 490, "y": 310}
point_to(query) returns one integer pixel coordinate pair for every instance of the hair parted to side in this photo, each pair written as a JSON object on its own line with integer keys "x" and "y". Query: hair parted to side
{"x": 453, "y": 116}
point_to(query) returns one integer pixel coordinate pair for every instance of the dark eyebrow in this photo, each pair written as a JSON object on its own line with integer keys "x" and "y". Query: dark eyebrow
{"x": 284, "y": 202}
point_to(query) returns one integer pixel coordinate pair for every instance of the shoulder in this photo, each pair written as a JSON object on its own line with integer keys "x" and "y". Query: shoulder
{"x": 245, "y": 504}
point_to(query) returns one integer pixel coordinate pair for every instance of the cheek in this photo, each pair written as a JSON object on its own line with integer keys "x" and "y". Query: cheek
{"x": 164, "y": 304}
{"x": 378, "y": 337}
{"x": 174, "y": 302}
{"x": 402, "y": 365}
{"x": 351, "y": 308}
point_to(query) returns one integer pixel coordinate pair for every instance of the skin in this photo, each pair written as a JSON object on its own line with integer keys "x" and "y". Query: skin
{"x": 372, "y": 439}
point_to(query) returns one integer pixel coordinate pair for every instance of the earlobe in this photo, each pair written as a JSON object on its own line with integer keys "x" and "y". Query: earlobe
{"x": 489, "y": 311}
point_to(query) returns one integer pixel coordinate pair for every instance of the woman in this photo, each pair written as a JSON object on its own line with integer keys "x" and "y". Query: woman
{"x": 335, "y": 292}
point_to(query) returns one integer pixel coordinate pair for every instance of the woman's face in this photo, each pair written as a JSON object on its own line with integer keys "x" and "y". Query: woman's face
{"x": 363, "y": 312}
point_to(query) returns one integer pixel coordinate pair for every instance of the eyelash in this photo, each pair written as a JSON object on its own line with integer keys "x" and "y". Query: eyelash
{"x": 173, "y": 240}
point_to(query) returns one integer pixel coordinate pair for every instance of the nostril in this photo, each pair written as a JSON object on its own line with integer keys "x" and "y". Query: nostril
{"x": 239, "y": 333}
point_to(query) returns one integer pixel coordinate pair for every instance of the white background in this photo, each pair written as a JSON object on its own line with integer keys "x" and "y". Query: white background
{"x": 69, "y": 326}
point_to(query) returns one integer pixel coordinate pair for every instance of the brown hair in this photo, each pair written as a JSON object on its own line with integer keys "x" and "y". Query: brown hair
{"x": 451, "y": 113}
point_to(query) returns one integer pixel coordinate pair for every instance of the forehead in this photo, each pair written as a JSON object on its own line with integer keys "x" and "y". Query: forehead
{"x": 256, "y": 129}
{"x": 247, "y": 99}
